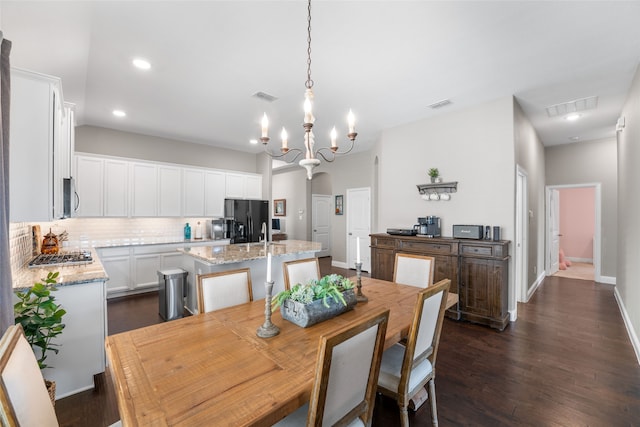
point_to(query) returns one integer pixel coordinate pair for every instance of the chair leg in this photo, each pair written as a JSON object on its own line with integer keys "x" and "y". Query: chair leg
{"x": 404, "y": 416}
{"x": 432, "y": 399}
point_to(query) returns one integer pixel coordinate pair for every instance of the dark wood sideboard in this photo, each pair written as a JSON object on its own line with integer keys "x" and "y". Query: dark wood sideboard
{"x": 478, "y": 269}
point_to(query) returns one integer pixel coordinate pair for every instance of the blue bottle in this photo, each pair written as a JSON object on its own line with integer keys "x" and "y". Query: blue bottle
{"x": 187, "y": 232}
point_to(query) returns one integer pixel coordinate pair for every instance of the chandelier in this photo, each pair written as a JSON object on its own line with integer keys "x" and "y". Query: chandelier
{"x": 310, "y": 160}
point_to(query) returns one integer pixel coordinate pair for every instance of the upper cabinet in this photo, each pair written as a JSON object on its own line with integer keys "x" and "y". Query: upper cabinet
{"x": 117, "y": 187}
{"x": 243, "y": 186}
{"x": 40, "y": 134}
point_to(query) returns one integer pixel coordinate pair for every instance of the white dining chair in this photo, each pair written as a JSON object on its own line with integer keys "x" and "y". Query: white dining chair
{"x": 300, "y": 271}
{"x": 406, "y": 369}
{"x": 223, "y": 289}
{"x": 413, "y": 270}
{"x": 347, "y": 367}
{"x": 23, "y": 393}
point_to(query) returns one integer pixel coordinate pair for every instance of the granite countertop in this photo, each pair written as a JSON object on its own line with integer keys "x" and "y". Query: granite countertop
{"x": 248, "y": 251}
{"x": 69, "y": 274}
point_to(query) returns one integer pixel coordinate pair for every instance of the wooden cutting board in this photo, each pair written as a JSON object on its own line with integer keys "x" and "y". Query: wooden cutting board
{"x": 36, "y": 236}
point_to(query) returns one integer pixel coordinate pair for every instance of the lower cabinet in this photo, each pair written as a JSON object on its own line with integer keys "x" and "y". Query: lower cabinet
{"x": 134, "y": 269}
{"x": 81, "y": 353}
{"x": 478, "y": 269}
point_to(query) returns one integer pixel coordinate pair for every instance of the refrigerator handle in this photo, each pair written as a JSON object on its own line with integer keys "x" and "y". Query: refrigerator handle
{"x": 249, "y": 228}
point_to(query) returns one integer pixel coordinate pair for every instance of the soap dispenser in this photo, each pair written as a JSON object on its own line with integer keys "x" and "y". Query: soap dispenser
{"x": 187, "y": 232}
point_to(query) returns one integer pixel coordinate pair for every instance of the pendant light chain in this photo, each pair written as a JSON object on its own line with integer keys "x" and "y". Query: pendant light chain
{"x": 309, "y": 83}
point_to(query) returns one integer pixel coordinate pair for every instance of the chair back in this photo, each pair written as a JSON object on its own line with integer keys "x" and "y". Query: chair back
{"x": 223, "y": 289}
{"x": 24, "y": 400}
{"x": 347, "y": 368}
{"x": 424, "y": 334}
{"x": 413, "y": 270}
{"x": 300, "y": 271}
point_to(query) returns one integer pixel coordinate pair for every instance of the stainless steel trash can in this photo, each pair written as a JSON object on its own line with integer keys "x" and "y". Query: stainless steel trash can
{"x": 171, "y": 292}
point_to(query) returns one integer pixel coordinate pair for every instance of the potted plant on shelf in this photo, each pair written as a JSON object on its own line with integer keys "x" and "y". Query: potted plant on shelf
{"x": 41, "y": 320}
{"x": 434, "y": 174}
{"x": 319, "y": 300}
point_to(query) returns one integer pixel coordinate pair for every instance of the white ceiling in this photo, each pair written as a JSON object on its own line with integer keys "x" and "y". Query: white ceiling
{"x": 386, "y": 60}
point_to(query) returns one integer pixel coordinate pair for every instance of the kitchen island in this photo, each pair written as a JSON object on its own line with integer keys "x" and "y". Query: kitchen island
{"x": 209, "y": 259}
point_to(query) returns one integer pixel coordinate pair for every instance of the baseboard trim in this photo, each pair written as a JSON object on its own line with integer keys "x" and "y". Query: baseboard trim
{"x": 609, "y": 280}
{"x": 575, "y": 259}
{"x": 627, "y": 323}
{"x": 534, "y": 287}
{"x": 339, "y": 264}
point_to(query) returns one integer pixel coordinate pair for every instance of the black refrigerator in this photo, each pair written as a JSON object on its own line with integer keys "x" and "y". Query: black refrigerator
{"x": 248, "y": 217}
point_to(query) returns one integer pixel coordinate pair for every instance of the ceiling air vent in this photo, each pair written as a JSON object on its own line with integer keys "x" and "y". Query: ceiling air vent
{"x": 582, "y": 104}
{"x": 264, "y": 96}
{"x": 440, "y": 104}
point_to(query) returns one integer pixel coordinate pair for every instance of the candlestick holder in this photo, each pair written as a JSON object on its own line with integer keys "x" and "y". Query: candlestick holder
{"x": 360, "y": 297}
{"x": 268, "y": 329}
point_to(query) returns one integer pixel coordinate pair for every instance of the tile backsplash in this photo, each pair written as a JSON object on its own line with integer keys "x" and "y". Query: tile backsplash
{"x": 84, "y": 233}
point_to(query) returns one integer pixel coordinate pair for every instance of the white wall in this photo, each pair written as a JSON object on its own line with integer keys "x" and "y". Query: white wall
{"x": 291, "y": 185}
{"x": 628, "y": 267}
{"x": 529, "y": 153}
{"x": 585, "y": 163}
{"x": 473, "y": 147}
{"x": 97, "y": 140}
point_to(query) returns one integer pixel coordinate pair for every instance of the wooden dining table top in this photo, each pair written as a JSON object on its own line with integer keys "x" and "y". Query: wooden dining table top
{"x": 212, "y": 368}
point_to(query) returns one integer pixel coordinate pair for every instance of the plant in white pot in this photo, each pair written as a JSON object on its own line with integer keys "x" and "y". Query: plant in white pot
{"x": 434, "y": 173}
{"x": 41, "y": 320}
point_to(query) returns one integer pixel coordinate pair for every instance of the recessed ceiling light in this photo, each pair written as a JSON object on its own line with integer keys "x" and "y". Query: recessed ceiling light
{"x": 573, "y": 116}
{"x": 142, "y": 64}
{"x": 119, "y": 113}
{"x": 253, "y": 141}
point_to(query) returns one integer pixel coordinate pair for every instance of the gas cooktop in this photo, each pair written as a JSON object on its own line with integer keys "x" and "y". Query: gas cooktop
{"x": 62, "y": 258}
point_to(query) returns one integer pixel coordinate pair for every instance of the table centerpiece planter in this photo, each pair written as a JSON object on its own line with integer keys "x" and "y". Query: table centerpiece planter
{"x": 317, "y": 301}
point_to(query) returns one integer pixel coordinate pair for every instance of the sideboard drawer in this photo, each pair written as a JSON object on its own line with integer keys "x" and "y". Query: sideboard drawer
{"x": 476, "y": 249}
{"x": 428, "y": 246}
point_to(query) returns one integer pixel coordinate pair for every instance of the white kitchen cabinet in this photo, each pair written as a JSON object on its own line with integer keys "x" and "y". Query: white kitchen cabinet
{"x": 36, "y": 138}
{"x": 145, "y": 270}
{"x": 243, "y": 186}
{"x": 116, "y": 188}
{"x": 169, "y": 191}
{"x": 194, "y": 192}
{"x": 117, "y": 263}
{"x": 144, "y": 189}
{"x": 214, "y": 190}
{"x": 90, "y": 186}
{"x": 82, "y": 353}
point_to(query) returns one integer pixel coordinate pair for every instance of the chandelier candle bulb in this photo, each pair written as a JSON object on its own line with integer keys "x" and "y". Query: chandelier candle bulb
{"x": 352, "y": 122}
{"x": 284, "y": 139}
{"x": 265, "y": 125}
{"x": 334, "y": 135}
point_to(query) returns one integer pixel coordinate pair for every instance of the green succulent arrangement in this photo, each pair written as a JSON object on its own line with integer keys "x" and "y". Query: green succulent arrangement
{"x": 434, "y": 172}
{"x": 40, "y": 316}
{"x": 330, "y": 286}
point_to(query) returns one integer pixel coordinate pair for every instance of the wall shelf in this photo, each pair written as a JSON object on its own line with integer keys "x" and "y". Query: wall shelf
{"x": 437, "y": 190}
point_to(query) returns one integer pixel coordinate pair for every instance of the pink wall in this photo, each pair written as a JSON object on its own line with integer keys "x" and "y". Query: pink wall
{"x": 577, "y": 222}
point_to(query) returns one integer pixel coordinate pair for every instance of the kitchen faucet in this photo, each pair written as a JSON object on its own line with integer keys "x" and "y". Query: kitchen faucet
{"x": 264, "y": 232}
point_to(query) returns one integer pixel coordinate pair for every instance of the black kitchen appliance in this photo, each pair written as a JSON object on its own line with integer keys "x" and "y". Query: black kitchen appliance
{"x": 428, "y": 226}
{"x": 248, "y": 217}
{"x": 221, "y": 228}
{"x": 401, "y": 231}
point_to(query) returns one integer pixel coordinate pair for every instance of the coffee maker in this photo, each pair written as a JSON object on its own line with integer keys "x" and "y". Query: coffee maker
{"x": 428, "y": 226}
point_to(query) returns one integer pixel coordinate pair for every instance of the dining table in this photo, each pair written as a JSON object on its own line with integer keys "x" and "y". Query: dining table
{"x": 211, "y": 369}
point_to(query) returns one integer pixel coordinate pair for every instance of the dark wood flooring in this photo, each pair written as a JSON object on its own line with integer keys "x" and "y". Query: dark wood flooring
{"x": 567, "y": 361}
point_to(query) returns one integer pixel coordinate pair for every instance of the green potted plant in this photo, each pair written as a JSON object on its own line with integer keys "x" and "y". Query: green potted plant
{"x": 434, "y": 174}
{"x": 41, "y": 319}
{"x": 319, "y": 300}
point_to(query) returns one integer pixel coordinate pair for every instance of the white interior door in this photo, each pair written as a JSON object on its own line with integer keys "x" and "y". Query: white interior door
{"x": 521, "y": 245}
{"x": 358, "y": 211}
{"x": 321, "y": 222}
{"x": 554, "y": 230}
